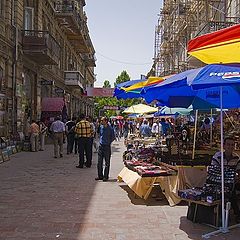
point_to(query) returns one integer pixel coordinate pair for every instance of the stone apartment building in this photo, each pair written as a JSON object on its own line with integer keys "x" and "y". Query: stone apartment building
{"x": 46, "y": 61}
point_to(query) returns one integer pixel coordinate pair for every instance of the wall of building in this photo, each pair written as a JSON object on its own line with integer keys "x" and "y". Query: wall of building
{"x": 24, "y": 81}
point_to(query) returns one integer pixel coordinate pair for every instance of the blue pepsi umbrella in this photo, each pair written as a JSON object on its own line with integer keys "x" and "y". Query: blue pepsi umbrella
{"x": 177, "y": 91}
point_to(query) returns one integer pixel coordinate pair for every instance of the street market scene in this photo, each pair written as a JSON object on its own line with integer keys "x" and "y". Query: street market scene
{"x": 94, "y": 147}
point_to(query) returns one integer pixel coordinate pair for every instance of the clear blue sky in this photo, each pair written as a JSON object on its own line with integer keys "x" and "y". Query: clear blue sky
{"x": 123, "y": 34}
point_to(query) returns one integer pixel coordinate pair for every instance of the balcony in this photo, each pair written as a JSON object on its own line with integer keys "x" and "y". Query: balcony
{"x": 73, "y": 79}
{"x": 74, "y": 25}
{"x": 41, "y": 47}
{"x": 89, "y": 60}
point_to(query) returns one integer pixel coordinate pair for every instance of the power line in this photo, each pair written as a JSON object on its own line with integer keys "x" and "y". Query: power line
{"x": 117, "y": 61}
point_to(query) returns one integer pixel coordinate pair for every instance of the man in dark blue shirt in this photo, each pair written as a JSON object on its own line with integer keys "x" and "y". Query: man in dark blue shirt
{"x": 107, "y": 136}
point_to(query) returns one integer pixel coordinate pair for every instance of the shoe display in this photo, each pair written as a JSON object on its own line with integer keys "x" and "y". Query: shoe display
{"x": 97, "y": 178}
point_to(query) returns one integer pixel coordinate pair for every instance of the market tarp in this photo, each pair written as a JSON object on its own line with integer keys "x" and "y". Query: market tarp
{"x": 217, "y": 47}
{"x": 140, "y": 109}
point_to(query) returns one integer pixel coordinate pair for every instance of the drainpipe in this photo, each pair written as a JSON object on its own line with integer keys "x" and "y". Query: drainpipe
{"x": 14, "y": 66}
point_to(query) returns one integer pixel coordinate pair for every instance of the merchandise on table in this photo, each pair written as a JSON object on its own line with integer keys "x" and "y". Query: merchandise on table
{"x": 212, "y": 190}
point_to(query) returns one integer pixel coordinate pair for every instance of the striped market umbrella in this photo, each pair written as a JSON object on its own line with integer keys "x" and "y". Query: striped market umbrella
{"x": 221, "y": 46}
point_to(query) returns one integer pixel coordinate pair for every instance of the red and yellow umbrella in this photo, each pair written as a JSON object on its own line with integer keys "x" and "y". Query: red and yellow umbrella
{"x": 222, "y": 46}
{"x": 140, "y": 85}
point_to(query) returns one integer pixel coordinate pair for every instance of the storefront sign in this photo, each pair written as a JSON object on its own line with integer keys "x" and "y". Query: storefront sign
{"x": 111, "y": 107}
{"x": 52, "y": 104}
{"x": 100, "y": 92}
{"x": 59, "y": 90}
{"x": 47, "y": 82}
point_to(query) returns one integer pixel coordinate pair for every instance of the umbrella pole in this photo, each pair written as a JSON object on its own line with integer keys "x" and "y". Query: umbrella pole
{"x": 195, "y": 134}
{"x": 211, "y": 129}
{"x": 222, "y": 163}
{"x": 224, "y": 228}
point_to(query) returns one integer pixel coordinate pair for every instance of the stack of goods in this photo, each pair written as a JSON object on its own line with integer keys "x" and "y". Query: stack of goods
{"x": 193, "y": 194}
{"x": 211, "y": 191}
{"x": 186, "y": 160}
{"x": 150, "y": 170}
{"x": 144, "y": 161}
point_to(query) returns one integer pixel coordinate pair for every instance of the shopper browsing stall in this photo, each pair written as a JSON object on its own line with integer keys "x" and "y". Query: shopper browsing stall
{"x": 156, "y": 128}
{"x": 145, "y": 129}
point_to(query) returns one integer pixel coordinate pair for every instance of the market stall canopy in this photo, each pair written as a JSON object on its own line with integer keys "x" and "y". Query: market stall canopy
{"x": 120, "y": 93}
{"x": 140, "y": 109}
{"x": 173, "y": 111}
{"x": 177, "y": 91}
{"x": 137, "y": 87}
{"x": 217, "y": 47}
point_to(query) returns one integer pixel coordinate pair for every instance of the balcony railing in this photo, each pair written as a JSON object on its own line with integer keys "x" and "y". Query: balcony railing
{"x": 75, "y": 25}
{"x": 41, "y": 47}
{"x": 73, "y": 78}
{"x": 90, "y": 60}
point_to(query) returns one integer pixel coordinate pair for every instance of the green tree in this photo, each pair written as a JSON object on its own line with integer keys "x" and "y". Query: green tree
{"x": 123, "y": 77}
{"x": 100, "y": 102}
{"x": 106, "y": 84}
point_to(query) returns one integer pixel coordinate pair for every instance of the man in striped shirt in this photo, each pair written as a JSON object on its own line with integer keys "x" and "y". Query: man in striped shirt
{"x": 84, "y": 132}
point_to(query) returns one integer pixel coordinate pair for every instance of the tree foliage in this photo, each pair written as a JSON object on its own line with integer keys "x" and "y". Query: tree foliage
{"x": 106, "y": 84}
{"x": 123, "y": 77}
{"x": 100, "y": 102}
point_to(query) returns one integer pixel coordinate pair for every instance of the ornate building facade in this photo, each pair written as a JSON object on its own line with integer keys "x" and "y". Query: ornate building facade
{"x": 46, "y": 54}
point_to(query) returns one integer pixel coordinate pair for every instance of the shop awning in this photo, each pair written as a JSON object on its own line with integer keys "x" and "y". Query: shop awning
{"x": 52, "y": 104}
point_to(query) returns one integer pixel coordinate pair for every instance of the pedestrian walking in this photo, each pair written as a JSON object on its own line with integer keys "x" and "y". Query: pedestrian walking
{"x": 84, "y": 132}
{"x": 58, "y": 130}
{"x": 34, "y": 135}
{"x": 42, "y": 134}
{"x": 70, "y": 127}
{"x": 107, "y": 136}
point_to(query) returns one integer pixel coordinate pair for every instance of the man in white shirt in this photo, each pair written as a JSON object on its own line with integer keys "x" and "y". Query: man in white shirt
{"x": 156, "y": 128}
{"x": 58, "y": 130}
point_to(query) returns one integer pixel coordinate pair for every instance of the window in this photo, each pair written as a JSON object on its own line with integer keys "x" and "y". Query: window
{"x": 1, "y": 8}
{"x": 28, "y": 18}
{"x": 1, "y": 79}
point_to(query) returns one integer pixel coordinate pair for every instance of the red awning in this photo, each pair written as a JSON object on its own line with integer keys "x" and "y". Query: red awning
{"x": 52, "y": 104}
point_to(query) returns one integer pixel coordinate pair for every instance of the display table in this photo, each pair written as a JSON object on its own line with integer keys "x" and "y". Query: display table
{"x": 215, "y": 204}
{"x": 186, "y": 177}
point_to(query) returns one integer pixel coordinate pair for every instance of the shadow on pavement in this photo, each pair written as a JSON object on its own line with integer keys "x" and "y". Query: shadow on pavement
{"x": 156, "y": 198}
{"x": 43, "y": 197}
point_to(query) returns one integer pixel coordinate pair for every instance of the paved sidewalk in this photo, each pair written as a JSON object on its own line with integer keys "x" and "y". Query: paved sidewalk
{"x": 46, "y": 198}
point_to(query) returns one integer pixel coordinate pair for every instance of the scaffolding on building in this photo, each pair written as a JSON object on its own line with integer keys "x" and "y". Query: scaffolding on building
{"x": 181, "y": 20}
